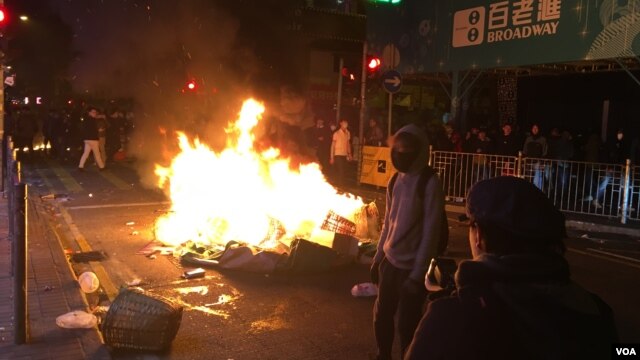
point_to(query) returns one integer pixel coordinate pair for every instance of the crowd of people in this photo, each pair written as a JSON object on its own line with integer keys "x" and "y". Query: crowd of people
{"x": 62, "y": 133}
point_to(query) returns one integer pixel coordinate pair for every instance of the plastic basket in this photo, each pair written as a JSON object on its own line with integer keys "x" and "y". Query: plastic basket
{"x": 141, "y": 321}
{"x": 338, "y": 224}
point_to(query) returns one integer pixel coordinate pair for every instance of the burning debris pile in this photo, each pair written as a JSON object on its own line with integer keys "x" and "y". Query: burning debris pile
{"x": 254, "y": 201}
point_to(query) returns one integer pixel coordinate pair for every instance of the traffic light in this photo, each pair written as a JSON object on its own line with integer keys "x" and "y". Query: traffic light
{"x": 191, "y": 85}
{"x": 348, "y": 74}
{"x": 4, "y": 17}
{"x": 373, "y": 65}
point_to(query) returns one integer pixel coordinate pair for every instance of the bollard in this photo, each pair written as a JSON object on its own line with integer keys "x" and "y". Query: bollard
{"x": 20, "y": 264}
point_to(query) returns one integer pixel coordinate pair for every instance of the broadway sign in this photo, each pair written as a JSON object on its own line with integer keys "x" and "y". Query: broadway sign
{"x": 444, "y": 35}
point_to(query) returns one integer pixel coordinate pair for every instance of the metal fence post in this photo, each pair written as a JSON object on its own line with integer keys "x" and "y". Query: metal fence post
{"x": 20, "y": 263}
{"x": 626, "y": 180}
{"x": 519, "y": 165}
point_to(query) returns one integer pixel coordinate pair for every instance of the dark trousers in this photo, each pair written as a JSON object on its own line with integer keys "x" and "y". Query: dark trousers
{"x": 340, "y": 163}
{"x": 393, "y": 298}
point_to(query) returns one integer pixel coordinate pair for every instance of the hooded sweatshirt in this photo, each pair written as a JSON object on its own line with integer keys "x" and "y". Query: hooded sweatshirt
{"x": 519, "y": 306}
{"x": 411, "y": 228}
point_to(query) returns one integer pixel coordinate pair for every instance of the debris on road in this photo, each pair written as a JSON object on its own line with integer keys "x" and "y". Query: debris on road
{"x": 135, "y": 232}
{"x": 88, "y": 282}
{"x": 364, "y": 290}
{"x": 195, "y": 273}
{"x": 77, "y": 319}
{"x": 129, "y": 223}
{"x": 86, "y": 256}
{"x": 134, "y": 282}
{"x": 151, "y": 257}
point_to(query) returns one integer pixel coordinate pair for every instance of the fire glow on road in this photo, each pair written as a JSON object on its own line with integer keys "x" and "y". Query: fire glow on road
{"x": 241, "y": 194}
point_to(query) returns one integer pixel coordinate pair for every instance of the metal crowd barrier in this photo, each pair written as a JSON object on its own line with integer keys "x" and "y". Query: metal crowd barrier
{"x": 607, "y": 190}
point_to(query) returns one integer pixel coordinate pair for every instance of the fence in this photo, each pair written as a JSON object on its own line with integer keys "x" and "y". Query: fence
{"x": 579, "y": 187}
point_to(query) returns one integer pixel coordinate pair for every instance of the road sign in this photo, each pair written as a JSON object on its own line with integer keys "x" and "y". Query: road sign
{"x": 392, "y": 81}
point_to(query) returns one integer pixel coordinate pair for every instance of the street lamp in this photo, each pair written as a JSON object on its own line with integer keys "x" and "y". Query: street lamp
{"x": 24, "y": 18}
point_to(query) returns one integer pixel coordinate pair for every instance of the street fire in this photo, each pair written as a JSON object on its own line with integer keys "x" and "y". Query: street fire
{"x": 245, "y": 195}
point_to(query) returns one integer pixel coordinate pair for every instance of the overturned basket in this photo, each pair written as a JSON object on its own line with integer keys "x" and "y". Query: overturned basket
{"x": 141, "y": 321}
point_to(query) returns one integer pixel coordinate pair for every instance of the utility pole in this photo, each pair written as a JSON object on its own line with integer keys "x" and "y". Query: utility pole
{"x": 2, "y": 40}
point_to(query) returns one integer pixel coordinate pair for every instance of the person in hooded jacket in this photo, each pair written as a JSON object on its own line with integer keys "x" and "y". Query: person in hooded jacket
{"x": 408, "y": 241}
{"x": 515, "y": 299}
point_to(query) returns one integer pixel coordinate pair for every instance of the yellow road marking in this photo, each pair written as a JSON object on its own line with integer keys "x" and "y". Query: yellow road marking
{"x": 98, "y": 269}
{"x": 67, "y": 180}
{"x": 44, "y": 178}
{"x": 119, "y": 183}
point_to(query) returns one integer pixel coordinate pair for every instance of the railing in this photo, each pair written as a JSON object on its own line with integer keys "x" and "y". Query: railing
{"x": 608, "y": 190}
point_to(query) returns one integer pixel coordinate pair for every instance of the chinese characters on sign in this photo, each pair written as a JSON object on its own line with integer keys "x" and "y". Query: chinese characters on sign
{"x": 506, "y": 21}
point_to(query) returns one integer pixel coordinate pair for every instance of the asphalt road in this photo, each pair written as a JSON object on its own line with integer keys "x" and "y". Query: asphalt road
{"x": 233, "y": 315}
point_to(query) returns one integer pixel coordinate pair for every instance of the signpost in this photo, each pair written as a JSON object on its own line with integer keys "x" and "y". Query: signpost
{"x": 391, "y": 82}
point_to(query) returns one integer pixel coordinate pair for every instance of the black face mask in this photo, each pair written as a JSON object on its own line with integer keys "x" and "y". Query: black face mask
{"x": 402, "y": 161}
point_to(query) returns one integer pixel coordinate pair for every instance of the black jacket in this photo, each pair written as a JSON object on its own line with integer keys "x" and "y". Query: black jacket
{"x": 515, "y": 307}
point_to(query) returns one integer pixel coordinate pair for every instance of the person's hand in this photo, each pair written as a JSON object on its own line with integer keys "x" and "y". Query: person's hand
{"x": 411, "y": 286}
{"x": 375, "y": 272}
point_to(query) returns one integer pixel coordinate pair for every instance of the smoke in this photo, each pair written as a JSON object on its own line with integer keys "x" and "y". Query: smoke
{"x": 149, "y": 50}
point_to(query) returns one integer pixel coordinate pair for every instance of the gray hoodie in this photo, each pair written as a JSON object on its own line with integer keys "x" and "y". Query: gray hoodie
{"x": 409, "y": 237}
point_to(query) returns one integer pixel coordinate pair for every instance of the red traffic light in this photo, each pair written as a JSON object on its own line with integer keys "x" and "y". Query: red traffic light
{"x": 3, "y": 16}
{"x": 373, "y": 63}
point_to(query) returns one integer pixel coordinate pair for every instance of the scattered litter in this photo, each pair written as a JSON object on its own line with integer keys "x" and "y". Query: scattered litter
{"x": 134, "y": 282}
{"x": 90, "y": 195}
{"x": 134, "y": 232}
{"x": 48, "y": 288}
{"x": 201, "y": 290}
{"x": 87, "y": 256}
{"x": 152, "y": 257}
{"x": 129, "y": 223}
{"x": 585, "y": 236}
{"x": 88, "y": 282}
{"x": 59, "y": 197}
{"x": 192, "y": 274}
{"x": 364, "y": 289}
{"x": 100, "y": 310}
{"x": 153, "y": 247}
{"x": 77, "y": 319}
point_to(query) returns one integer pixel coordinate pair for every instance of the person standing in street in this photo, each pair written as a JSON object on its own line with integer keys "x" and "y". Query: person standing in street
{"x": 341, "y": 151}
{"x": 515, "y": 299}
{"x": 91, "y": 139}
{"x": 409, "y": 240}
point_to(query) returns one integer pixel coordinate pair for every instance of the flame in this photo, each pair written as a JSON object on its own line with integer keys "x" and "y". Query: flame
{"x": 241, "y": 194}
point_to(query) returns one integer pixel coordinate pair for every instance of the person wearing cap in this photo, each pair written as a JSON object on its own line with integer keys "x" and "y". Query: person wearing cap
{"x": 408, "y": 240}
{"x": 515, "y": 298}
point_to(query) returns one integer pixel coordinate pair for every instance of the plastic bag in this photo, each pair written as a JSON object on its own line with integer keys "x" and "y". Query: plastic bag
{"x": 88, "y": 282}
{"x": 77, "y": 319}
{"x": 364, "y": 290}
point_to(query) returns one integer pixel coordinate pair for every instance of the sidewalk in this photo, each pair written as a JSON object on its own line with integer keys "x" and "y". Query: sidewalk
{"x": 52, "y": 291}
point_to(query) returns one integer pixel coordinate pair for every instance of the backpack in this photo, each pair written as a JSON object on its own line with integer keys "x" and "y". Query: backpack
{"x": 424, "y": 178}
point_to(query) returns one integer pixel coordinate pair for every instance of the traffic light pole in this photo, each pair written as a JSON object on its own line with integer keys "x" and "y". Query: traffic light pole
{"x": 363, "y": 109}
{"x": 339, "y": 99}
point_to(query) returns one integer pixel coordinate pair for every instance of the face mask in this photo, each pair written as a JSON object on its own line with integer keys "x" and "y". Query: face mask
{"x": 402, "y": 161}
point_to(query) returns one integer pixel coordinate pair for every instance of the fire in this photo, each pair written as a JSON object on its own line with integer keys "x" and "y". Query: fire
{"x": 245, "y": 195}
